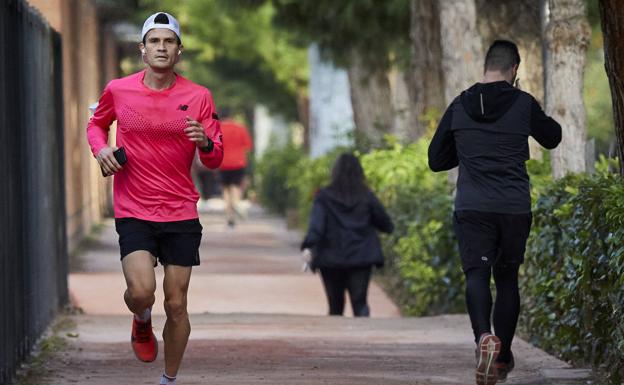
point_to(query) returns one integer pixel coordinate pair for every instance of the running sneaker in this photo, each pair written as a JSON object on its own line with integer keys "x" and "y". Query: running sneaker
{"x": 144, "y": 341}
{"x": 504, "y": 368}
{"x": 487, "y": 352}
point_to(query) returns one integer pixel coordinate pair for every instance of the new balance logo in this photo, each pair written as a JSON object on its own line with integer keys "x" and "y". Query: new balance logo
{"x": 183, "y": 107}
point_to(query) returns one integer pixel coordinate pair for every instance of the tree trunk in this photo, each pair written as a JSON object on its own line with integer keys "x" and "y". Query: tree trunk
{"x": 371, "y": 99}
{"x": 402, "y": 127}
{"x": 303, "y": 110}
{"x": 424, "y": 78}
{"x": 566, "y": 38}
{"x": 462, "y": 50}
{"x": 519, "y": 21}
{"x": 612, "y": 20}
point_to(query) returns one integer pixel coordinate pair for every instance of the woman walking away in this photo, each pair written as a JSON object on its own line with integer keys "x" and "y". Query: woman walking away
{"x": 342, "y": 239}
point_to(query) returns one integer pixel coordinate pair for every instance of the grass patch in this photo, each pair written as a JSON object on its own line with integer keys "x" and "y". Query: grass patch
{"x": 47, "y": 350}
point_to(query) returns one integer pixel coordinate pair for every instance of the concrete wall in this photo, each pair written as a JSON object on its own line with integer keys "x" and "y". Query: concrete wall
{"x": 88, "y": 194}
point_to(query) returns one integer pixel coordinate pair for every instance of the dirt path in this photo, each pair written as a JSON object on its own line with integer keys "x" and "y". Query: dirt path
{"x": 258, "y": 320}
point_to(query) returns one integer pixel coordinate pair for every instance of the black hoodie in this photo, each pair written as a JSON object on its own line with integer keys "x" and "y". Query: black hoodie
{"x": 343, "y": 234}
{"x": 485, "y": 131}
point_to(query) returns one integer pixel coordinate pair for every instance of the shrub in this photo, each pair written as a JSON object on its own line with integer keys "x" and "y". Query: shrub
{"x": 423, "y": 272}
{"x": 573, "y": 283}
{"x": 307, "y": 178}
{"x": 272, "y": 177}
{"x": 573, "y": 278}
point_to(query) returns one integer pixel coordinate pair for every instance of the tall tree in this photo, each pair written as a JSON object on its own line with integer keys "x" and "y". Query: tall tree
{"x": 239, "y": 54}
{"x": 371, "y": 98}
{"x": 462, "y": 49}
{"x": 424, "y": 76}
{"x": 367, "y": 38}
{"x": 519, "y": 21}
{"x": 612, "y": 20}
{"x": 566, "y": 39}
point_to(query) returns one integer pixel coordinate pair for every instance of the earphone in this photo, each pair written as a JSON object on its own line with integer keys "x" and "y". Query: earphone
{"x": 179, "y": 52}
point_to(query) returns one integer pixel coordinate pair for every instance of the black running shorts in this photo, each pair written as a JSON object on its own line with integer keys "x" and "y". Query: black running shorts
{"x": 232, "y": 177}
{"x": 172, "y": 243}
{"x": 487, "y": 239}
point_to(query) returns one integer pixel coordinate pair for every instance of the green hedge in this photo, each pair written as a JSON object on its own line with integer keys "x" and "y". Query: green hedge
{"x": 573, "y": 283}
{"x": 573, "y": 278}
{"x": 422, "y": 272}
{"x": 272, "y": 176}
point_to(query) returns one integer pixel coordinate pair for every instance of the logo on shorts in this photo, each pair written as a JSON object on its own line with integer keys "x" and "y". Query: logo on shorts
{"x": 484, "y": 258}
{"x": 183, "y": 107}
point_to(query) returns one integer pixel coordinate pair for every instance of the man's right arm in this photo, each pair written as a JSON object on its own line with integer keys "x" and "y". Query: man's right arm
{"x": 97, "y": 133}
{"x": 442, "y": 150}
{"x": 544, "y": 129}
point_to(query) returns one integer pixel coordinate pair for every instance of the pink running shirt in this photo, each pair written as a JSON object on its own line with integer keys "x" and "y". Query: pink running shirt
{"x": 155, "y": 184}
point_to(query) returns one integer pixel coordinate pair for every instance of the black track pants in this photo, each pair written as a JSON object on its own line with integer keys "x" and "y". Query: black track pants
{"x": 355, "y": 281}
{"x": 506, "y": 307}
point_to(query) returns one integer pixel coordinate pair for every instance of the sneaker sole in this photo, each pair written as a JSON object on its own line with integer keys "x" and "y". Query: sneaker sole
{"x": 486, "y": 373}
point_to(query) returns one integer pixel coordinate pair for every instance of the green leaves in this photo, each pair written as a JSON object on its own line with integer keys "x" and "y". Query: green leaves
{"x": 572, "y": 285}
{"x": 572, "y": 280}
{"x": 237, "y": 52}
{"x": 377, "y": 29}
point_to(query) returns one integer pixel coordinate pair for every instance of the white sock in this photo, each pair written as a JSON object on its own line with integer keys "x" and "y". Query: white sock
{"x": 147, "y": 314}
{"x": 167, "y": 380}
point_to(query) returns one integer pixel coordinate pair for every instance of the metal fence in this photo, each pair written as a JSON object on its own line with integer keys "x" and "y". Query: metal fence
{"x": 33, "y": 251}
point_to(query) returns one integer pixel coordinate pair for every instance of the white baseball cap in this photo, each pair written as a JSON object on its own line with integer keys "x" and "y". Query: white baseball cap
{"x": 161, "y": 20}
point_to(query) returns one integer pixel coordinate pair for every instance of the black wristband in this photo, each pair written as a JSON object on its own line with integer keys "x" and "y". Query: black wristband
{"x": 208, "y": 147}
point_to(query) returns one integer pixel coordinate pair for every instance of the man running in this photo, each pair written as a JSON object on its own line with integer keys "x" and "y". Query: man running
{"x": 163, "y": 119}
{"x": 485, "y": 131}
{"x": 236, "y": 144}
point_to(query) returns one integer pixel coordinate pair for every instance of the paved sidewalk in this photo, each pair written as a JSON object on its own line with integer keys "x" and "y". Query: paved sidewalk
{"x": 258, "y": 320}
{"x": 253, "y": 268}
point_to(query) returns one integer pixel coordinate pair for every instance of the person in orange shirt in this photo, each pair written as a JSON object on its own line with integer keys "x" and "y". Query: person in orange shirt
{"x": 236, "y": 144}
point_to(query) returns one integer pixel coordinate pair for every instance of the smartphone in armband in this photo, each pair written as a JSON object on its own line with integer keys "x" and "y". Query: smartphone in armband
{"x": 120, "y": 156}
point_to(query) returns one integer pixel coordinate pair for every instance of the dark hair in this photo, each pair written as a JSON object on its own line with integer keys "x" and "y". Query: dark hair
{"x": 501, "y": 56}
{"x": 348, "y": 182}
{"x": 161, "y": 18}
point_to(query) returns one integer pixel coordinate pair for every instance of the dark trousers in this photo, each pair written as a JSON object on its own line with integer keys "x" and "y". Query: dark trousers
{"x": 355, "y": 282}
{"x": 207, "y": 183}
{"x": 506, "y": 307}
{"x": 492, "y": 244}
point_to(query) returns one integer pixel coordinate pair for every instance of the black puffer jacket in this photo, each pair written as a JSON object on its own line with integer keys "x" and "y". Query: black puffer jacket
{"x": 343, "y": 234}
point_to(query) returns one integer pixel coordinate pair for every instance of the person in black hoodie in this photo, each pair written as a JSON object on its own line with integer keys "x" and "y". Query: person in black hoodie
{"x": 342, "y": 240}
{"x": 485, "y": 131}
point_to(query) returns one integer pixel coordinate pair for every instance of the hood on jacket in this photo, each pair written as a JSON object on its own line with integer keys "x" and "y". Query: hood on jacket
{"x": 487, "y": 102}
{"x": 338, "y": 203}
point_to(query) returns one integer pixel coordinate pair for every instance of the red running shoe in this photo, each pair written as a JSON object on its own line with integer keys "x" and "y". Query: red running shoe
{"x": 487, "y": 352}
{"x": 143, "y": 341}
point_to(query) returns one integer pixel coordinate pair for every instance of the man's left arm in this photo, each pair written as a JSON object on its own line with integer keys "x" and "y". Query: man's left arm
{"x": 209, "y": 138}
